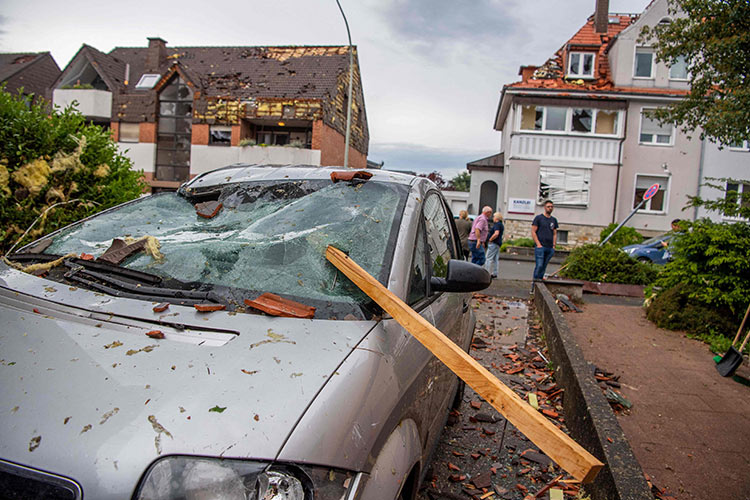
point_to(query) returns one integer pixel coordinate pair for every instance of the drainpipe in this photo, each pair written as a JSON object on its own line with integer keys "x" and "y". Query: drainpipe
{"x": 700, "y": 176}
{"x": 619, "y": 166}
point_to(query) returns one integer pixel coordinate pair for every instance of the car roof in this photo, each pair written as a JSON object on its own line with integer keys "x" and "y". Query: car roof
{"x": 243, "y": 172}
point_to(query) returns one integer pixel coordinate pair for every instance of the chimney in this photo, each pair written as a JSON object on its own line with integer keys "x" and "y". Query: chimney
{"x": 157, "y": 53}
{"x": 601, "y": 16}
{"x": 527, "y": 72}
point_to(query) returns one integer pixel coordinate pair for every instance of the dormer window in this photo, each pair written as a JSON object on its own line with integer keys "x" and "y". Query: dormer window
{"x": 581, "y": 64}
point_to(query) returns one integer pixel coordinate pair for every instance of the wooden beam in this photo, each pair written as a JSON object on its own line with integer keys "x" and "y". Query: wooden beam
{"x": 556, "y": 444}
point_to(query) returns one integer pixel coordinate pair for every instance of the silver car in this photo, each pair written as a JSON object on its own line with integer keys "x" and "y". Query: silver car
{"x": 136, "y": 362}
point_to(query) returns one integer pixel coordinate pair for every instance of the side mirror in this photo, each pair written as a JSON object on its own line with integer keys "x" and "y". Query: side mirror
{"x": 462, "y": 276}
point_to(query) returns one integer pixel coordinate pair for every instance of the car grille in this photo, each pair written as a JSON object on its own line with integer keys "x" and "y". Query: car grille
{"x": 22, "y": 483}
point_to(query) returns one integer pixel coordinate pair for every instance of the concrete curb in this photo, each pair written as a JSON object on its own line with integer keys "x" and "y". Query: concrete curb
{"x": 587, "y": 413}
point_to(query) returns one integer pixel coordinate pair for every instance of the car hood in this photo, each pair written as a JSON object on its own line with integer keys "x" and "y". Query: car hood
{"x": 87, "y": 394}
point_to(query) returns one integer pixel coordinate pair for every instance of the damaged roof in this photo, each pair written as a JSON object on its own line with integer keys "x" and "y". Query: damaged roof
{"x": 25, "y": 68}
{"x": 245, "y": 72}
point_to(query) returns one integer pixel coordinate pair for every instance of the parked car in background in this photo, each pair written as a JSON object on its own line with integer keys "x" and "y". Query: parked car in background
{"x": 651, "y": 250}
{"x": 118, "y": 384}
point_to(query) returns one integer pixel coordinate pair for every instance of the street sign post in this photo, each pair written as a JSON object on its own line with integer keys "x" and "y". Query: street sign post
{"x": 650, "y": 192}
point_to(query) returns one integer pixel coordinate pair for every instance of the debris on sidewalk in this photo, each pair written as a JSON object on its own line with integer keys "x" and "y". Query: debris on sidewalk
{"x": 607, "y": 381}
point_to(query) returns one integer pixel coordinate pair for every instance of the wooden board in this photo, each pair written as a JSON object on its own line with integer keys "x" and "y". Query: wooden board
{"x": 556, "y": 444}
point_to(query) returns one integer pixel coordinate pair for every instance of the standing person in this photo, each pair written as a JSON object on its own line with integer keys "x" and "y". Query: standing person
{"x": 478, "y": 235}
{"x": 544, "y": 232}
{"x": 463, "y": 225}
{"x": 493, "y": 244}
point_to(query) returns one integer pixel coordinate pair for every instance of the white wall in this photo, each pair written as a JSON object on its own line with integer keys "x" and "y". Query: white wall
{"x": 91, "y": 102}
{"x": 718, "y": 163}
{"x": 206, "y": 158}
{"x": 457, "y": 200}
{"x": 143, "y": 154}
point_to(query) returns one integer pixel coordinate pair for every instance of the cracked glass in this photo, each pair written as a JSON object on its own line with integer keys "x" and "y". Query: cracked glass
{"x": 269, "y": 236}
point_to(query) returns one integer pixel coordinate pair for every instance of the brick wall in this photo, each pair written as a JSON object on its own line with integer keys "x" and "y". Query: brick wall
{"x": 200, "y": 134}
{"x": 331, "y": 145}
{"x": 114, "y": 130}
{"x": 147, "y": 132}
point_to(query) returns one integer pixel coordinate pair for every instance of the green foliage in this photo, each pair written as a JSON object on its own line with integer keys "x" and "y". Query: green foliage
{"x": 732, "y": 204}
{"x": 461, "y": 182}
{"x": 625, "y": 236}
{"x": 714, "y": 38}
{"x": 49, "y": 159}
{"x": 713, "y": 261}
{"x": 607, "y": 264}
{"x": 78, "y": 86}
{"x": 678, "y": 308}
{"x": 518, "y": 242}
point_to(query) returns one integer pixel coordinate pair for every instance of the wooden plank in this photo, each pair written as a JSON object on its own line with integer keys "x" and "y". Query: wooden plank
{"x": 556, "y": 444}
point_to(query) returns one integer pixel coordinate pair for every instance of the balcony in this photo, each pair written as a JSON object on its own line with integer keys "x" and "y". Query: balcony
{"x": 92, "y": 103}
{"x": 565, "y": 147}
{"x": 205, "y": 158}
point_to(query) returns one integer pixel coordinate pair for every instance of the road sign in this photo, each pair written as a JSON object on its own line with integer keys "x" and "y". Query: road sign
{"x": 651, "y": 192}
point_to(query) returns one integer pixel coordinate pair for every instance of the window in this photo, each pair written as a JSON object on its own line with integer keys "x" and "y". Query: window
{"x": 174, "y": 131}
{"x": 129, "y": 132}
{"x": 564, "y": 186}
{"x": 657, "y": 202}
{"x": 678, "y": 69}
{"x": 555, "y": 119}
{"x": 220, "y": 135}
{"x": 418, "y": 275}
{"x": 606, "y": 122}
{"x": 562, "y": 237}
{"x": 654, "y": 133}
{"x": 147, "y": 81}
{"x": 740, "y": 145}
{"x": 644, "y": 62}
{"x": 575, "y": 120}
{"x": 582, "y": 120}
{"x": 734, "y": 193}
{"x": 531, "y": 117}
{"x": 581, "y": 64}
{"x": 439, "y": 239}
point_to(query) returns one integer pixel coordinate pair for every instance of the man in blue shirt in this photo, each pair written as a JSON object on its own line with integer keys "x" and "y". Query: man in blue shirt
{"x": 544, "y": 232}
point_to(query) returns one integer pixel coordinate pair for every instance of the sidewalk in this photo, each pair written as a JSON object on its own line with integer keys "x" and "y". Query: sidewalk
{"x": 689, "y": 427}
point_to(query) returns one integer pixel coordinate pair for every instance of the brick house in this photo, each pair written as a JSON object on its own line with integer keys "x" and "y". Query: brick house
{"x": 574, "y": 130}
{"x": 181, "y": 111}
{"x": 32, "y": 72}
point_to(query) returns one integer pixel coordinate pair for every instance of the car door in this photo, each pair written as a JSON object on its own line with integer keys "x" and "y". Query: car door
{"x": 448, "y": 310}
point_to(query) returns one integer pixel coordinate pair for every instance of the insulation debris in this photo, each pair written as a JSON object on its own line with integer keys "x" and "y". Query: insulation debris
{"x": 274, "y": 305}
{"x": 33, "y": 176}
{"x": 4, "y": 177}
{"x": 42, "y": 266}
{"x": 63, "y": 162}
{"x": 151, "y": 248}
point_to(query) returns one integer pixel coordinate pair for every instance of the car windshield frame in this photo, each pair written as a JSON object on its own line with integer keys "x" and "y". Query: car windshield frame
{"x": 370, "y": 211}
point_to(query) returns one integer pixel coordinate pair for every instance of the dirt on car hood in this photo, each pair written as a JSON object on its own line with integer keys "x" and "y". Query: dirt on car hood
{"x": 86, "y": 392}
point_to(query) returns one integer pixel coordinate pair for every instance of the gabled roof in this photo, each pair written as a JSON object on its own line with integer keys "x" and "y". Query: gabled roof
{"x": 13, "y": 63}
{"x": 245, "y": 72}
{"x": 110, "y": 69}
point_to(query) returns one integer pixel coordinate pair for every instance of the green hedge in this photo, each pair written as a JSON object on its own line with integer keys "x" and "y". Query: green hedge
{"x": 607, "y": 264}
{"x": 58, "y": 161}
{"x": 624, "y": 237}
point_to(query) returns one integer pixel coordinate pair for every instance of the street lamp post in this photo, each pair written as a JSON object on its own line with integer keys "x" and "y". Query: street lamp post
{"x": 349, "y": 100}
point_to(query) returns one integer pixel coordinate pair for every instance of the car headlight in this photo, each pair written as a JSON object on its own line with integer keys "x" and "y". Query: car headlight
{"x": 193, "y": 478}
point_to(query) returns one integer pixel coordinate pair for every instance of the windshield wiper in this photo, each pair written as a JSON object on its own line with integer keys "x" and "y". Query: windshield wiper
{"x": 120, "y": 288}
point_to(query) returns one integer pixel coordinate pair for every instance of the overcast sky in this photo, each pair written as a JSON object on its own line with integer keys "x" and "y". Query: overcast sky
{"x": 432, "y": 70}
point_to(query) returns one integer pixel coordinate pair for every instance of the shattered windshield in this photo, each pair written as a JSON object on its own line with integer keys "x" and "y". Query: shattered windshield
{"x": 258, "y": 236}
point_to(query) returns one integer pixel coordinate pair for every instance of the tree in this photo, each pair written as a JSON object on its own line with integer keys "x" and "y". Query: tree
{"x": 55, "y": 168}
{"x": 713, "y": 37}
{"x": 461, "y": 182}
{"x": 437, "y": 178}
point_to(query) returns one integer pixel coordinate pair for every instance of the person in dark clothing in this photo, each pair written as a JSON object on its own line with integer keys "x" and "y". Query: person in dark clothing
{"x": 544, "y": 232}
{"x": 463, "y": 226}
{"x": 494, "y": 241}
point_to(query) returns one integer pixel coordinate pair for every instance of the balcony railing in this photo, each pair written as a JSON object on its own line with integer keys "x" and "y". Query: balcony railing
{"x": 92, "y": 103}
{"x": 563, "y": 147}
